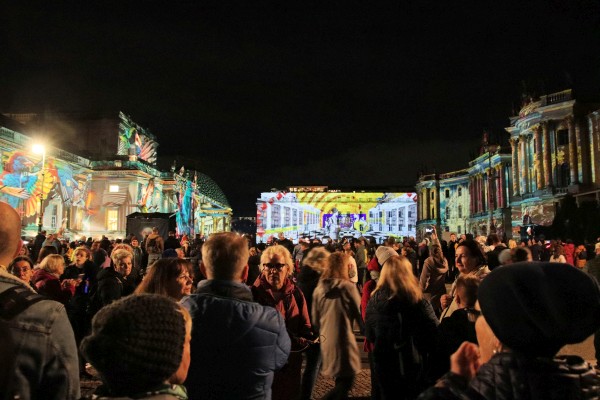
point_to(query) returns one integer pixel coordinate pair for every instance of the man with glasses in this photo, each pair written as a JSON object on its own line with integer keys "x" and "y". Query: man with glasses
{"x": 237, "y": 344}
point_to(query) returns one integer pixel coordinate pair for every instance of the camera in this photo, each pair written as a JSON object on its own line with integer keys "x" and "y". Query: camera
{"x": 428, "y": 230}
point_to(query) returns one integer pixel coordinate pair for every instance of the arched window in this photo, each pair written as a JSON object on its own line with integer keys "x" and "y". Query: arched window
{"x": 460, "y": 191}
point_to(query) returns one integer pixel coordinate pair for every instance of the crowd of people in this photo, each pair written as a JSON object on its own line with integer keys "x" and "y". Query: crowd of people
{"x": 224, "y": 318}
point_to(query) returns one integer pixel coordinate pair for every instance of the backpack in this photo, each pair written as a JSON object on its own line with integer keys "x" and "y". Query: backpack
{"x": 15, "y": 300}
{"x": 151, "y": 246}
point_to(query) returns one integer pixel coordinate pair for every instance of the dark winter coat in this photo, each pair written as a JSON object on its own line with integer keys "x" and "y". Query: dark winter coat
{"x": 237, "y": 344}
{"x": 508, "y": 376}
{"x": 400, "y": 330}
{"x": 48, "y": 285}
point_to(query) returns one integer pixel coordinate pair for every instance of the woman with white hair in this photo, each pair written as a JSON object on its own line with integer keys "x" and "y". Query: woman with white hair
{"x": 275, "y": 288}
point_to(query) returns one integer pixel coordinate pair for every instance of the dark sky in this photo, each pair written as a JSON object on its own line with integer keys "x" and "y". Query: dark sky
{"x": 269, "y": 94}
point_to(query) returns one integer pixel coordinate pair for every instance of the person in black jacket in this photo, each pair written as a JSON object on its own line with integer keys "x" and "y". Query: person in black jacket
{"x": 403, "y": 327}
{"x": 529, "y": 311}
{"x": 112, "y": 281}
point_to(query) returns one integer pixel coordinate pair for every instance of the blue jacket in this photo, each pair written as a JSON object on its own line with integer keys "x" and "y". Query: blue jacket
{"x": 44, "y": 347}
{"x": 237, "y": 344}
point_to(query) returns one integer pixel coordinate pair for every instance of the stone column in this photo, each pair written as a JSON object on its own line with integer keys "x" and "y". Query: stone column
{"x": 580, "y": 154}
{"x": 515, "y": 166}
{"x": 500, "y": 186}
{"x": 471, "y": 196}
{"x": 539, "y": 162}
{"x": 572, "y": 151}
{"x": 547, "y": 155}
{"x": 523, "y": 170}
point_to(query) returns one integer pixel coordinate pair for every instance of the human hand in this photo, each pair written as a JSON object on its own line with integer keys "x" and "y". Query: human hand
{"x": 465, "y": 361}
{"x": 445, "y": 300}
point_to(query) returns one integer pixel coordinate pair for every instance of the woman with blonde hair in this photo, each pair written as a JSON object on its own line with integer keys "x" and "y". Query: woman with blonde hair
{"x": 402, "y": 326}
{"x": 335, "y": 308}
{"x": 46, "y": 282}
{"x": 171, "y": 277}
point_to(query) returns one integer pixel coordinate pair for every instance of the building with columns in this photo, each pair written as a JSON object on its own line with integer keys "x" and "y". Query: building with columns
{"x": 554, "y": 152}
{"x": 95, "y": 171}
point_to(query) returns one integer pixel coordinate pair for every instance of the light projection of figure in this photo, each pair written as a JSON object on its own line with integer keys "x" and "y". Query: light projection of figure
{"x": 19, "y": 182}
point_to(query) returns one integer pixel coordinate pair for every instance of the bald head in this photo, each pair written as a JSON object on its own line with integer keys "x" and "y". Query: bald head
{"x": 10, "y": 233}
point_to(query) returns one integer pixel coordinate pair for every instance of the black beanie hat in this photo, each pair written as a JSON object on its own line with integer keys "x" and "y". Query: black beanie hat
{"x": 536, "y": 308}
{"x": 136, "y": 343}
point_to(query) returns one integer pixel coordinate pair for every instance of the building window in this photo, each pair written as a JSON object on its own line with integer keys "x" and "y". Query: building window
{"x": 432, "y": 196}
{"x": 447, "y": 193}
{"x": 459, "y": 211}
{"x": 458, "y": 229}
{"x": 459, "y": 191}
{"x": 447, "y": 212}
{"x": 113, "y": 188}
{"x": 562, "y": 137}
{"x": 112, "y": 220}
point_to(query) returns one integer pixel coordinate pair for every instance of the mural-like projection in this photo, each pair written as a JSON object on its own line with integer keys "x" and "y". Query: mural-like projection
{"x": 133, "y": 139}
{"x": 21, "y": 185}
{"x": 336, "y": 215}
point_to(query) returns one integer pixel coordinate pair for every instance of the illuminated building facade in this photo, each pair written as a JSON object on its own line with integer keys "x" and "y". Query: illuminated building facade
{"x": 317, "y": 211}
{"x": 94, "y": 173}
{"x": 554, "y": 152}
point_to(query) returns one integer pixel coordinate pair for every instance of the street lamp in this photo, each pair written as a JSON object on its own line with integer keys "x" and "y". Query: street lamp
{"x": 41, "y": 149}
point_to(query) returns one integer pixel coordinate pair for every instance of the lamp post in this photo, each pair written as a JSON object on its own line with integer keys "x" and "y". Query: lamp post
{"x": 40, "y": 149}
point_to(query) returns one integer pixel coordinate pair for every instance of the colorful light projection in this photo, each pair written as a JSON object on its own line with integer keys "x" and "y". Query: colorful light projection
{"x": 135, "y": 140}
{"x": 335, "y": 215}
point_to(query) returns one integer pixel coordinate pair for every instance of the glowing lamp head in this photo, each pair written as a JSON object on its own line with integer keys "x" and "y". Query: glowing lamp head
{"x": 39, "y": 148}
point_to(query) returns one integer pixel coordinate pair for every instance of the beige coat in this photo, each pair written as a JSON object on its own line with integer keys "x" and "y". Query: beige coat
{"x": 336, "y": 305}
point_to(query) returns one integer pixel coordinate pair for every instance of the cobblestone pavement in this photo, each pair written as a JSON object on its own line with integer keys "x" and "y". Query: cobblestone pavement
{"x": 360, "y": 390}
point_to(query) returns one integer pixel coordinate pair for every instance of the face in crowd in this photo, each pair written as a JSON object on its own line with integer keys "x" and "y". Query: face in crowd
{"x": 80, "y": 258}
{"x": 22, "y": 270}
{"x": 465, "y": 261}
{"x": 182, "y": 286}
{"x": 275, "y": 271}
{"x": 123, "y": 266}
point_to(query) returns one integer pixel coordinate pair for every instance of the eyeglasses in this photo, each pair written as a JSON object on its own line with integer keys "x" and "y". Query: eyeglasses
{"x": 271, "y": 266}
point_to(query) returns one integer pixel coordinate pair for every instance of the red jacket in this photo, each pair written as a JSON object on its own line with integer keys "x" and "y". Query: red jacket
{"x": 48, "y": 285}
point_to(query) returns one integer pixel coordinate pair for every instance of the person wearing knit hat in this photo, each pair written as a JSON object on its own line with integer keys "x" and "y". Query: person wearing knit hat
{"x": 383, "y": 253}
{"x": 529, "y": 311}
{"x": 140, "y": 346}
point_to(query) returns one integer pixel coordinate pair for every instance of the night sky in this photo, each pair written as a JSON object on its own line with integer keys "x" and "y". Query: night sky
{"x": 262, "y": 95}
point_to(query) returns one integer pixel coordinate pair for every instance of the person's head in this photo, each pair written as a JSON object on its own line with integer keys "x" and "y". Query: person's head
{"x": 225, "y": 257}
{"x": 493, "y": 239}
{"x": 134, "y": 242}
{"x": 80, "y": 255}
{"x": 597, "y": 248}
{"x": 172, "y": 277}
{"x": 22, "y": 268}
{"x": 155, "y": 230}
{"x": 383, "y": 254}
{"x": 100, "y": 258}
{"x": 469, "y": 256}
{"x": 453, "y": 237}
{"x": 123, "y": 246}
{"x": 316, "y": 259}
{"x": 24, "y": 251}
{"x": 466, "y": 291}
{"x": 45, "y": 251}
{"x": 338, "y": 266}
{"x": 122, "y": 261}
{"x": 558, "y": 251}
{"x": 519, "y": 254}
{"x": 172, "y": 233}
{"x": 276, "y": 265}
{"x": 512, "y": 244}
{"x": 537, "y": 308}
{"x": 437, "y": 253}
{"x": 397, "y": 276}
{"x": 505, "y": 257}
{"x": 138, "y": 343}
{"x": 54, "y": 264}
